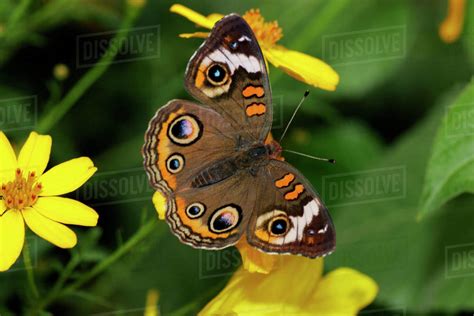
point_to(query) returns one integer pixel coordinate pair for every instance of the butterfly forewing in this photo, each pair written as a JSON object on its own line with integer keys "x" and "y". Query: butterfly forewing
{"x": 182, "y": 139}
{"x": 228, "y": 74}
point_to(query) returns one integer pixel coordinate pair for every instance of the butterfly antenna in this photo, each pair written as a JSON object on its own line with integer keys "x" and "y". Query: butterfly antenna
{"x": 294, "y": 114}
{"x": 312, "y": 157}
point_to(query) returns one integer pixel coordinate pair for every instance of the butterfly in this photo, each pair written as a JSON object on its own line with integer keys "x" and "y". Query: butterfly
{"x": 217, "y": 166}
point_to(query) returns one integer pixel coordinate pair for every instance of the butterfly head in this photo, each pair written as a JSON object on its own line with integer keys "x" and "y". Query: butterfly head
{"x": 274, "y": 149}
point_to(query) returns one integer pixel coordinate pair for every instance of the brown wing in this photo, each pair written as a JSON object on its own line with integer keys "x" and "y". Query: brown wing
{"x": 181, "y": 139}
{"x": 188, "y": 156}
{"x": 213, "y": 216}
{"x": 228, "y": 74}
{"x": 289, "y": 216}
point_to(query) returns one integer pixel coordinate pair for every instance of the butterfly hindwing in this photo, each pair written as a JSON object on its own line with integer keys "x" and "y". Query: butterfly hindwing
{"x": 213, "y": 216}
{"x": 228, "y": 73}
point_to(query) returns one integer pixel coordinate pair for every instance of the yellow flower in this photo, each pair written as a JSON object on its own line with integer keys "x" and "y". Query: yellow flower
{"x": 159, "y": 201}
{"x": 300, "y": 66}
{"x": 268, "y": 284}
{"x": 295, "y": 287}
{"x": 27, "y": 195}
{"x": 253, "y": 260}
{"x": 450, "y": 29}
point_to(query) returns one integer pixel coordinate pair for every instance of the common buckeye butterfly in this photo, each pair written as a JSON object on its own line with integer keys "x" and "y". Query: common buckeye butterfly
{"x": 216, "y": 164}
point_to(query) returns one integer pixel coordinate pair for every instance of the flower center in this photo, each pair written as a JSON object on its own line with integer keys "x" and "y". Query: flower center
{"x": 21, "y": 192}
{"x": 267, "y": 33}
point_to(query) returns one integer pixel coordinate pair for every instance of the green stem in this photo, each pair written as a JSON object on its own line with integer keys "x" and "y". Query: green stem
{"x": 29, "y": 270}
{"x": 19, "y": 12}
{"x": 59, "y": 290}
{"x": 56, "y": 113}
{"x": 143, "y": 232}
{"x": 68, "y": 270}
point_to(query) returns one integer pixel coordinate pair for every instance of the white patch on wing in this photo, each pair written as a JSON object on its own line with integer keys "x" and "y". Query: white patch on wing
{"x": 323, "y": 230}
{"x": 244, "y": 38}
{"x": 310, "y": 210}
{"x": 233, "y": 60}
{"x": 255, "y": 63}
{"x": 216, "y": 91}
{"x": 290, "y": 236}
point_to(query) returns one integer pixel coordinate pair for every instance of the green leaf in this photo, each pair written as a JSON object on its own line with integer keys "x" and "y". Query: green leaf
{"x": 450, "y": 170}
{"x": 381, "y": 238}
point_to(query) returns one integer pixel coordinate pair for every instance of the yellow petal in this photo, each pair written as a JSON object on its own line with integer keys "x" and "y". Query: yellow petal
{"x": 12, "y": 236}
{"x": 343, "y": 292}
{"x": 303, "y": 67}
{"x": 277, "y": 293}
{"x": 254, "y": 260}
{"x": 3, "y": 207}
{"x": 450, "y": 29}
{"x": 193, "y": 16}
{"x": 161, "y": 204}
{"x": 66, "y": 211}
{"x": 67, "y": 177}
{"x": 54, "y": 232}
{"x": 194, "y": 35}
{"x": 7, "y": 160}
{"x": 34, "y": 156}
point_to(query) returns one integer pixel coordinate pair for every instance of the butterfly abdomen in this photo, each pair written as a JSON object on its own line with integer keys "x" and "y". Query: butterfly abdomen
{"x": 249, "y": 159}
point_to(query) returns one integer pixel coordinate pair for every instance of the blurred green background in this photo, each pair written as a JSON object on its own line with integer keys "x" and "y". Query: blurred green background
{"x": 390, "y": 116}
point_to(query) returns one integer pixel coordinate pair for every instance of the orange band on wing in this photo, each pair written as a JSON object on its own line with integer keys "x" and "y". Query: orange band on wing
{"x": 293, "y": 195}
{"x": 200, "y": 78}
{"x": 285, "y": 180}
{"x": 250, "y": 91}
{"x": 256, "y": 109}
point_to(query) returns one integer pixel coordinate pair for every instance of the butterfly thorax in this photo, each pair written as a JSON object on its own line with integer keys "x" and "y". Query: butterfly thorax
{"x": 253, "y": 156}
{"x": 245, "y": 160}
